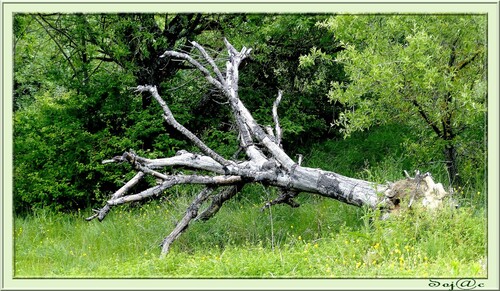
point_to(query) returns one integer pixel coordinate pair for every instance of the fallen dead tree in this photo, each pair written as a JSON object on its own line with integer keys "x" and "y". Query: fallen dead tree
{"x": 265, "y": 162}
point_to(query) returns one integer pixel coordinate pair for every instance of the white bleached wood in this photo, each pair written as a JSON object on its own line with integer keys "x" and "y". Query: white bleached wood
{"x": 266, "y": 161}
{"x": 276, "y": 119}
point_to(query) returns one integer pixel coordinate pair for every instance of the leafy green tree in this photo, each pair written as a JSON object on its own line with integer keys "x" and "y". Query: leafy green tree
{"x": 35, "y": 55}
{"x": 71, "y": 77}
{"x": 428, "y": 71}
{"x": 50, "y": 153}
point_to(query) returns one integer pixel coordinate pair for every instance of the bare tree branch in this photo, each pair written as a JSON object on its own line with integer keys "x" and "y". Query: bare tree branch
{"x": 211, "y": 62}
{"x": 170, "y": 119}
{"x": 101, "y": 213}
{"x": 275, "y": 117}
{"x": 219, "y": 199}
{"x": 176, "y": 180}
{"x": 182, "y": 225}
{"x": 285, "y": 197}
{"x": 195, "y": 63}
{"x": 68, "y": 59}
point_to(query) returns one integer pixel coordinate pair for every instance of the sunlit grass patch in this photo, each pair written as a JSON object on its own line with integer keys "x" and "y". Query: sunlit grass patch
{"x": 239, "y": 243}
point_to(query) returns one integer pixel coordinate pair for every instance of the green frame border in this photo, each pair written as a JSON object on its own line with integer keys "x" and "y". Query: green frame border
{"x": 491, "y": 8}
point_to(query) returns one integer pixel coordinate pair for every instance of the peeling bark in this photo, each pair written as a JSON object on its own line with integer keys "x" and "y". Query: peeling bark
{"x": 266, "y": 161}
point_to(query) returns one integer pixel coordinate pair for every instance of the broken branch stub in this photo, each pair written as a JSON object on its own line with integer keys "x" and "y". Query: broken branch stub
{"x": 265, "y": 162}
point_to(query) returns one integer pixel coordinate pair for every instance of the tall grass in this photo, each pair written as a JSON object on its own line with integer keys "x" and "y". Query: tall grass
{"x": 312, "y": 241}
{"x": 322, "y": 238}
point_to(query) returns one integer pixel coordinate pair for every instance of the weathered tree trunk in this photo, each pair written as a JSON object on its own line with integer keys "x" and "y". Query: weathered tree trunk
{"x": 266, "y": 161}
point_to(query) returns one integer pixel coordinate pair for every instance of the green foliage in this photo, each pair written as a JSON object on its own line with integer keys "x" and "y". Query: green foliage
{"x": 51, "y": 153}
{"x": 426, "y": 71}
{"x": 99, "y": 56}
{"x": 397, "y": 60}
{"x": 365, "y": 151}
{"x": 74, "y": 108}
{"x": 62, "y": 137}
{"x": 34, "y": 56}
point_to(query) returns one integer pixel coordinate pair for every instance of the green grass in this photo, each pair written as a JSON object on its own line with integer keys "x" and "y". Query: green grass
{"x": 241, "y": 241}
{"x": 322, "y": 238}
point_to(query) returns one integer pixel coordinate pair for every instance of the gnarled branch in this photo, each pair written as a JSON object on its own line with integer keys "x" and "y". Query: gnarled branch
{"x": 274, "y": 168}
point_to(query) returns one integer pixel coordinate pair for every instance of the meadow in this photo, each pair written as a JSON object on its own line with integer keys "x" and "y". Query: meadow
{"x": 323, "y": 238}
{"x": 412, "y": 96}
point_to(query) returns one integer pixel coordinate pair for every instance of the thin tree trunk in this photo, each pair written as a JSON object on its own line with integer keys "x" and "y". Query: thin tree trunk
{"x": 450, "y": 154}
